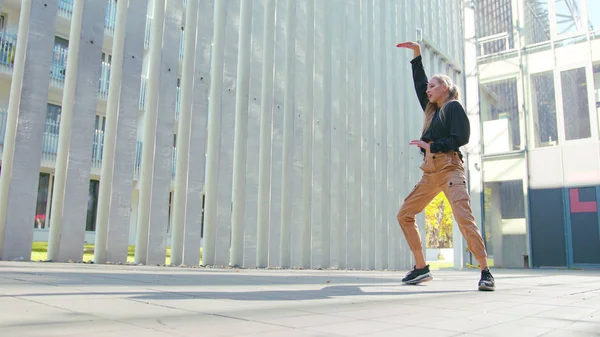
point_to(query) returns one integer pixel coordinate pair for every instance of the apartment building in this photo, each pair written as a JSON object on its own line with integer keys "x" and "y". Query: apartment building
{"x": 539, "y": 91}
{"x": 9, "y": 21}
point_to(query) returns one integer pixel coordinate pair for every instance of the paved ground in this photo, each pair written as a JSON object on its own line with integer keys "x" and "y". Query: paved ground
{"x": 42, "y": 299}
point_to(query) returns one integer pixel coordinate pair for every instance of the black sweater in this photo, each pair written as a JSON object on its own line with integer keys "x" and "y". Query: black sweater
{"x": 449, "y": 132}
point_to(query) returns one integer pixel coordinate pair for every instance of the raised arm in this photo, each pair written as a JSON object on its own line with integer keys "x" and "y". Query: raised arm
{"x": 419, "y": 77}
{"x": 420, "y": 80}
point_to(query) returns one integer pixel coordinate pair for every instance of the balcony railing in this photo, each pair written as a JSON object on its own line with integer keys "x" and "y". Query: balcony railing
{"x": 59, "y": 66}
{"x": 8, "y": 47}
{"x": 65, "y": 9}
{"x": 104, "y": 81}
{"x": 50, "y": 145}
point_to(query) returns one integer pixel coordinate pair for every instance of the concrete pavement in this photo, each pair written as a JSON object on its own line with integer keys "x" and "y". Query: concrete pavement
{"x": 52, "y": 299}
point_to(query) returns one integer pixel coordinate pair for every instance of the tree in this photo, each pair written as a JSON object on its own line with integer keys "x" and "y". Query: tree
{"x": 438, "y": 222}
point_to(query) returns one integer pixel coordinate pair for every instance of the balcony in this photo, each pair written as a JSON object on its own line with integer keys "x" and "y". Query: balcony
{"x": 65, "y": 9}
{"x": 8, "y": 47}
{"x": 50, "y": 146}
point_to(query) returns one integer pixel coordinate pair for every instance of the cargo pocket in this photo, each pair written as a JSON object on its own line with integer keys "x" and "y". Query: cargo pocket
{"x": 458, "y": 189}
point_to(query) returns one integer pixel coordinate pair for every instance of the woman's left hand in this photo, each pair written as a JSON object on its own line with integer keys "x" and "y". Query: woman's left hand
{"x": 421, "y": 144}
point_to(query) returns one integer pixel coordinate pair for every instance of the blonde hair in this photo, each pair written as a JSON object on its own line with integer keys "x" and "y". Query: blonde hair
{"x": 453, "y": 95}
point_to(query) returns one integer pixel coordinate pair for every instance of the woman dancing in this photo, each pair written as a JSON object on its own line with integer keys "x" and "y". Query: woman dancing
{"x": 446, "y": 128}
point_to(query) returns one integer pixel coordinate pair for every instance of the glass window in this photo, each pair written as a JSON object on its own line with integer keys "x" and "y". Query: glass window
{"x": 505, "y": 227}
{"x": 544, "y": 109}
{"x": 90, "y": 224}
{"x": 39, "y": 221}
{"x": 597, "y": 87}
{"x": 500, "y": 116}
{"x": 593, "y": 10}
{"x": 537, "y": 22}
{"x": 568, "y": 16}
{"x": 494, "y": 26}
{"x": 575, "y": 104}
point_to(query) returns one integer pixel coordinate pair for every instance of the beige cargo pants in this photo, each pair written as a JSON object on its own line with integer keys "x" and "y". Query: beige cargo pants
{"x": 441, "y": 172}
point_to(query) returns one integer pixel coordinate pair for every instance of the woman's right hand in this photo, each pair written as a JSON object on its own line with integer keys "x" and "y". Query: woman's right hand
{"x": 415, "y": 47}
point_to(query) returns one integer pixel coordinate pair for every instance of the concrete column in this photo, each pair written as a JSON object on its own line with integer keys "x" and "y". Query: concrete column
{"x": 277, "y": 137}
{"x": 225, "y": 171}
{"x": 322, "y": 107}
{"x": 379, "y": 137}
{"x": 473, "y": 149}
{"x": 253, "y": 139}
{"x": 266, "y": 116}
{"x": 354, "y": 87}
{"x": 161, "y": 173}
{"x": 149, "y": 133}
{"x": 114, "y": 204}
{"x": 241, "y": 134}
{"x": 287, "y": 191}
{"x": 197, "y": 150}
{"x": 214, "y": 132}
{"x": 338, "y": 135}
{"x": 183, "y": 132}
{"x": 22, "y": 152}
{"x": 367, "y": 149}
{"x": 307, "y": 162}
{"x": 394, "y": 136}
{"x": 124, "y": 131}
{"x": 73, "y": 166}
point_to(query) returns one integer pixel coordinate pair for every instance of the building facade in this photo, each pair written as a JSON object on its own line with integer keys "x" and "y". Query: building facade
{"x": 538, "y": 65}
{"x": 257, "y": 133}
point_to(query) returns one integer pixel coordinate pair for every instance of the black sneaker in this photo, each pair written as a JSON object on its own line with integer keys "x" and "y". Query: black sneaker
{"x": 486, "y": 283}
{"x": 417, "y": 276}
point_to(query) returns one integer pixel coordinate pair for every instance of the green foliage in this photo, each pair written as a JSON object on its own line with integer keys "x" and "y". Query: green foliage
{"x": 438, "y": 222}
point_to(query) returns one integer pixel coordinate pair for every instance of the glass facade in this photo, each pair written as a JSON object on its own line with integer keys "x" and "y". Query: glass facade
{"x": 539, "y": 98}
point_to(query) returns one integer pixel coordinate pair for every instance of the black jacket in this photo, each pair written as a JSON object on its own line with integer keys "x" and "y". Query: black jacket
{"x": 450, "y": 129}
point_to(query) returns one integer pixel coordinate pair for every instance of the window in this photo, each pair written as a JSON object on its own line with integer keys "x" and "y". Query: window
{"x": 494, "y": 24}
{"x": 59, "y": 58}
{"x": 3, "y": 21}
{"x": 53, "y": 114}
{"x": 538, "y": 21}
{"x": 596, "y": 68}
{"x": 40, "y": 221}
{"x": 505, "y": 227}
{"x": 92, "y": 207}
{"x": 544, "y": 109}
{"x": 500, "y": 116}
{"x": 575, "y": 104}
{"x": 568, "y": 16}
{"x": 593, "y": 10}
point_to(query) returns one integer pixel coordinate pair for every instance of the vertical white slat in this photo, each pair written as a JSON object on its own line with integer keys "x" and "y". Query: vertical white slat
{"x": 288, "y": 173}
{"x": 184, "y": 130}
{"x": 386, "y": 49}
{"x": 253, "y": 139}
{"x": 307, "y": 178}
{"x": 277, "y": 136}
{"x": 338, "y": 136}
{"x": 214, "y": 135}
{"x": 22, "y": 152}
{"x": 300, "y": 114}
{"x": 395, "y": 169}
{"x": 322, "y": 139}
{"x": 116, "y": 182}
{"x": 73, "y": 166}
{"x": 266, "y": 117}
{"x": 163, "y": 141}
{"x": 354, "y": 87}
{"x": 381, "y": 106}
{"x": 200, "y": 104}
{"x": 241, "y": 134}
{"x": 149, "y": 133}
{"x": 225, "y": 172}
{"x": 411, "y": 156}
{"x": 368, "y": 148}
